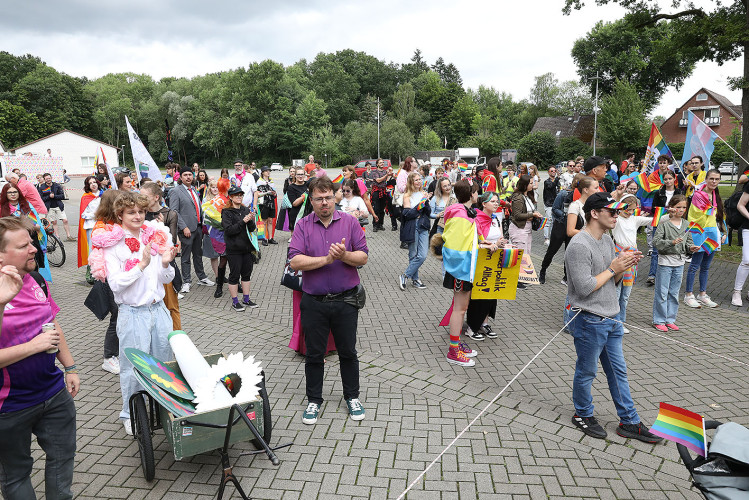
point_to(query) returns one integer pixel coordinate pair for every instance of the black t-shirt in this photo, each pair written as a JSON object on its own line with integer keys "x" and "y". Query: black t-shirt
{"x": 745, "y": 224}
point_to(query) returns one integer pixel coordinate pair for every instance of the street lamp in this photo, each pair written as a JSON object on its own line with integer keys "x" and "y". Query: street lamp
{"x": 326, "y": 159}
{"x": 595, "y": 114}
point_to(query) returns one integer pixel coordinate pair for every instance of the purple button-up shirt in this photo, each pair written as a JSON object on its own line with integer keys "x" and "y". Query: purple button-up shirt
{"x": 313, "y": 239}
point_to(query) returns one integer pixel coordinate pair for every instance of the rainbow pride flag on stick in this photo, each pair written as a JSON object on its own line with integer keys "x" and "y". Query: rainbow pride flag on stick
{"x": 338, "y": 179}
{"x": 543, "y": 223}
{"x": 657, "y": 214}
{"x": 709, "y": 246}
{"x": 420, "y": 206}
{"x": 681, "y": 426}
{"x": 510, "y": 257}
{"x": 695, "y": 229}
{"x": 656, "y": 147}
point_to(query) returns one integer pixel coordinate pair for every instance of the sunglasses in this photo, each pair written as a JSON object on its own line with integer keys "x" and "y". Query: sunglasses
{"x": 346, "y": 190}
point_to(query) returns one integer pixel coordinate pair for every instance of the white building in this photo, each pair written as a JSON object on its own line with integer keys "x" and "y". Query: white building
{"x": 76, "y": 150}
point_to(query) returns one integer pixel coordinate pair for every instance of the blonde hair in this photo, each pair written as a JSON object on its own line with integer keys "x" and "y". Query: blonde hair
{"x": 410, "y": 184}
{"x": 208, "y": 196}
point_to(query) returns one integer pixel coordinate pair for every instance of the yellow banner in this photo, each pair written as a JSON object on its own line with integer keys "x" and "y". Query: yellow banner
{"x": 491, "y": 281}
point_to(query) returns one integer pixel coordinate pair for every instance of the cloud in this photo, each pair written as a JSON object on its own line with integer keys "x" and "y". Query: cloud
{"x": 495, "y": 43}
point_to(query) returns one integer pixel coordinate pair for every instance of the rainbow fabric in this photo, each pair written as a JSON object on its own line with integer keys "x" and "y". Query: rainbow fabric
{"x": 681, "y": 426}
{"x": 695, "y": 229}
{"x": 658, "y": 212}
{"x": 260, "y": 228}
{"x": 656, "y": 147}
{"x": 338, "y": 179}
{"x": 460, "y": 247}
{"x": 543, "y": 223}
{"x": 420, "y": 206}
{"x": 510, "y": 257}
{"x": 462, "y": 166}
{"x": 709, "y": 246}
{"x": 637, "y": 211}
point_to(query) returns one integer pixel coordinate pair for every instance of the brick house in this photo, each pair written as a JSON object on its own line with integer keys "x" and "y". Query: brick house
{"x": 713, "y": 109}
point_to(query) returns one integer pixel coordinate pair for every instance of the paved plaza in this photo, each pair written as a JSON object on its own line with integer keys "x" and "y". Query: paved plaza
{"x": 522, "y": 446}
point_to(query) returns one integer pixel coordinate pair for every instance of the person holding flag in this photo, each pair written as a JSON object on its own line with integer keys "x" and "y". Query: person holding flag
{"x": 415, "y": 229}
{"x": 705, "y": 224}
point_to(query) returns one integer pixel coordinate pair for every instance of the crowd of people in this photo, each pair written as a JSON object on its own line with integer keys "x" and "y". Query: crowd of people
{"x": 129, "y": 239}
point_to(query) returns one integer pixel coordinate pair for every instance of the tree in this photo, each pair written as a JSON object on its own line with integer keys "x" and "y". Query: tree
{"x": 573, "y": 98}
{"x": 716, "y": 32}
{"x": 544, "y": 92}
{"x": 572, "y": 147}
{"x": 404, "y": 107}
{"x": 17, "y": 126}
{"x": 396, "y": 140}
{"x": 622, "y": 124}
{"x": 428, "y": 140}
{"x": 460, "y": 121}
{"x": 538, "y": 148}
{"x": 359, "y": 140}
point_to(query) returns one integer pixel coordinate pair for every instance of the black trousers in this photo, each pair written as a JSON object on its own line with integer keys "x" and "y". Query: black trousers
{"x": 557, "y": 237}
{"x": 379, "y": 204}
{"x": 318, "y": 320}
{"x": 111, "y": 341}
{"x": 240, "y": 266}
{"x": 478, "y": 310}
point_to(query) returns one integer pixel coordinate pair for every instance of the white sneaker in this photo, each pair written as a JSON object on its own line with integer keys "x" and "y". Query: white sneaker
{"x": 691, "y": 301}
{"x": 112, "y": 365}
{"x": 206, "y": 282}
{"x": 546, "y": 242}
{"x": 185, "y": 288}
{"x": 706, "y": 301}
{"x": 736, "y": 298}
{"x": 625, "y": 329}
{"x": 126, "y": 425}
{"x": 180, "y": 296}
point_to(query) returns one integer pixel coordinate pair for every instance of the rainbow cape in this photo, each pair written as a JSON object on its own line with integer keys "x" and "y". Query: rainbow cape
{"x": 658, "y": 212}
{"x": 681, "y": 426}
{"x": 82, "y": 237}
{"x": 460, "y": 247}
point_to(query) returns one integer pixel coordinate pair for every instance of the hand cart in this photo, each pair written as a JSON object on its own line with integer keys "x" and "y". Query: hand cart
{"x": 203, "y": 432}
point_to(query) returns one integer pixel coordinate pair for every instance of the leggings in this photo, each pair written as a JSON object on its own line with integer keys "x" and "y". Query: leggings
{"x": 743, "y": 270}
{"x": 558, "y": 236}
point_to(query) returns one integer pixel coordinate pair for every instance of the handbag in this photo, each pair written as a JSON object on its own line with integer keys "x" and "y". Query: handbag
{"x": 291, "y": 278}
{"x": 358, "y": 299}
{"x": 97, "y": 300}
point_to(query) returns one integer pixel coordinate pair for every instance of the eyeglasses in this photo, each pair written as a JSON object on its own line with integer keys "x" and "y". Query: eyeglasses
{"x": 346, "y": 190}
{"x": 12, "y": 192}
{"x": 326, "y": 199}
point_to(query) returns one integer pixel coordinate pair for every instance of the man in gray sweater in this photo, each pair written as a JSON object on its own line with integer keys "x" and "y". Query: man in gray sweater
{"x": 594, "y": 271}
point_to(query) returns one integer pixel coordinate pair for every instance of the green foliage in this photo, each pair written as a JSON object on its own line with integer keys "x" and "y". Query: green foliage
{"x": 622, "y": 124}
{"x": 360, "y": 140}
{"x": 428, "y": 140}
{"x": 17, "y": 126}
{"x": 396, "y": 140}
{"x": 538, "y": 148}
{"x": 572, "y": 147}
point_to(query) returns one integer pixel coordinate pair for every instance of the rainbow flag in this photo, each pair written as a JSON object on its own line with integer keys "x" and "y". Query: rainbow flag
{"x": 421, "y": 205}
{"x": 709, "y": 246}
{"x": 543, "y": 223}
{"x": 510, "y": 257}
{"x": 338, "y": 179}
{"x": 695, "y": 229}
{"x": 637, "y": 211}
{"x": 658, "y": 212}
{"x": 642, "y": 181}
{"x": 656, "y": 147}
{"x": 462, "y": 166}
{"x": 681, "y": 426}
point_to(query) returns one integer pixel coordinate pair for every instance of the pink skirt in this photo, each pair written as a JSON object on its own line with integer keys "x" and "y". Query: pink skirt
{"x": 297, "y": 334}
{"x": 521, "y": 238}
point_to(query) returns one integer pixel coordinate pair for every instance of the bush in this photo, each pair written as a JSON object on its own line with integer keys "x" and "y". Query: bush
{"x": 539, "y": 148}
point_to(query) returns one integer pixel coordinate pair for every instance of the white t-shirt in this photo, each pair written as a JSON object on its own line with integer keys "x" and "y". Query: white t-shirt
{"x": 625, "y": 231}
{"x": 669, "y": 194}
{"x": 576, "y": 207}
{"x": 355, "y": 203}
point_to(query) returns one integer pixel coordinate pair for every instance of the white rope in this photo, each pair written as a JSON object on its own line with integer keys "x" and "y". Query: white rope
{"x": 402, "y": 495}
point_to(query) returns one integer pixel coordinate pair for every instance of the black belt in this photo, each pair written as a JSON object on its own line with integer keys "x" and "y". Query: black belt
{"x": 333, "y": 297}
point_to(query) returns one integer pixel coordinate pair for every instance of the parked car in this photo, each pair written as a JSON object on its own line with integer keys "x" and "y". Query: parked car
{"x": 361, "y": 167}
{"x": 276, "y": 166}
{"x": 728, "y": 168}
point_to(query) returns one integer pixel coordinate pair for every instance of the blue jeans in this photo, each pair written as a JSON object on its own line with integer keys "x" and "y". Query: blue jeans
{"x": 623, "y": 294}
{"x": 653, "y": 260}
{"x": 145, "y": 328}
{"x": 666, "y": 298}
{"x": 53, "y": 423}
{"x": 600, "y": 338}
{"x": 702, "y": 261}
{"x": 417, "y": 253}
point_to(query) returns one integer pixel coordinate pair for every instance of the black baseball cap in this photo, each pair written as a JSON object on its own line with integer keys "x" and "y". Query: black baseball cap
{"x": 593, "y": 162}
{"x": 235, "y": 190}
{"x": 597, "y": 201}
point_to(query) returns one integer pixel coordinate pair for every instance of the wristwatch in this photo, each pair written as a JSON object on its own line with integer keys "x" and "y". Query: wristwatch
{"x": 613, "y": 273}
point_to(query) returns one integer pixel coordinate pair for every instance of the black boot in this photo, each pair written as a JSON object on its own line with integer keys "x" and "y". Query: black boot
{"x": 542, "y": 276}
{"x": 220, "y": 282}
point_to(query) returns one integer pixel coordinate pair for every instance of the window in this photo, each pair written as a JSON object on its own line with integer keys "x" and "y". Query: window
{"x": 712, "y": 113}
{"x": 87, "y": 161}
{"x": 702, "y": 97}
{"x": 684, "y": 115}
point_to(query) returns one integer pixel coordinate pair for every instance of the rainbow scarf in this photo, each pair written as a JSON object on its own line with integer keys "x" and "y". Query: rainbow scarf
{"x": 658, "y": 213}
{"x": 681, "y": 426}
{"x": 460, "y": 247}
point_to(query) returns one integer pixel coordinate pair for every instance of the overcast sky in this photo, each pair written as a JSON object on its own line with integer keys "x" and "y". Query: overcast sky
{"x": 497, "y": 43}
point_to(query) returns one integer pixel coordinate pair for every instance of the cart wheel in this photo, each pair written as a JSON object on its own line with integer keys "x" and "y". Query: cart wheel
{"x": 267, "y": 423}
{"x": 143, "y": 435}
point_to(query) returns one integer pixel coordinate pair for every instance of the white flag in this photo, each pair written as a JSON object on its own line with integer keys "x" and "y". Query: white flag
{"x": 144, "y": 164}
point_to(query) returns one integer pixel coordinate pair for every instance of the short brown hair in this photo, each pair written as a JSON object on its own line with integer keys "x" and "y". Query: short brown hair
{"x": 105, "y": 213}
{"x": 127, "y": 200}
{"x": 152, "y": 188}
{"x": 321, "y": 184}
{"x": 12, "y": 223}
{"x": 464, "y": 189}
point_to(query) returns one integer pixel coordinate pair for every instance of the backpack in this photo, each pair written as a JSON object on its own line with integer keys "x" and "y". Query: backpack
{"x": 734, "y": 218}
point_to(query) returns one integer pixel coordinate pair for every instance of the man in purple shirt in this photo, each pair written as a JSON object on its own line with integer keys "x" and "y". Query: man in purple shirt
{"x": 327, "y": 246}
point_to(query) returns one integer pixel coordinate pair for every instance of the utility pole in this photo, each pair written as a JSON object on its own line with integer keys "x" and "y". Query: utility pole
{"x": 378, "y": 127}
{"x": 595, "y": 115}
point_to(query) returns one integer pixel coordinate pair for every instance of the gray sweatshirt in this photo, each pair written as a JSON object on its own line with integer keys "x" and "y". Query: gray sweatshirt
{"x": 586, "y": 258}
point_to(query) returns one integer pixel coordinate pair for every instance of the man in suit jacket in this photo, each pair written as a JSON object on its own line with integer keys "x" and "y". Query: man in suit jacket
{"x": 185, "y": 201}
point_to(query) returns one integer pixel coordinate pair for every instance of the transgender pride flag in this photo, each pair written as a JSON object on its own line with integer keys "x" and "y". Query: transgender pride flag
{"x": 699, "y": 140}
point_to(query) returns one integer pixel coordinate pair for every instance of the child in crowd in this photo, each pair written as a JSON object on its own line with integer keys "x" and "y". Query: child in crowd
{"x": 674, "y": 243}
{"x": 625, "y": 238}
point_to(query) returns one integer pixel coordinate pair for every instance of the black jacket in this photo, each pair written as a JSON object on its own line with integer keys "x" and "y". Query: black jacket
{"x": 660, "y": 196}
{"x": 551, "y": 188}
{"x": 55, "y": 202}
{"x": 235, "y": 230}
